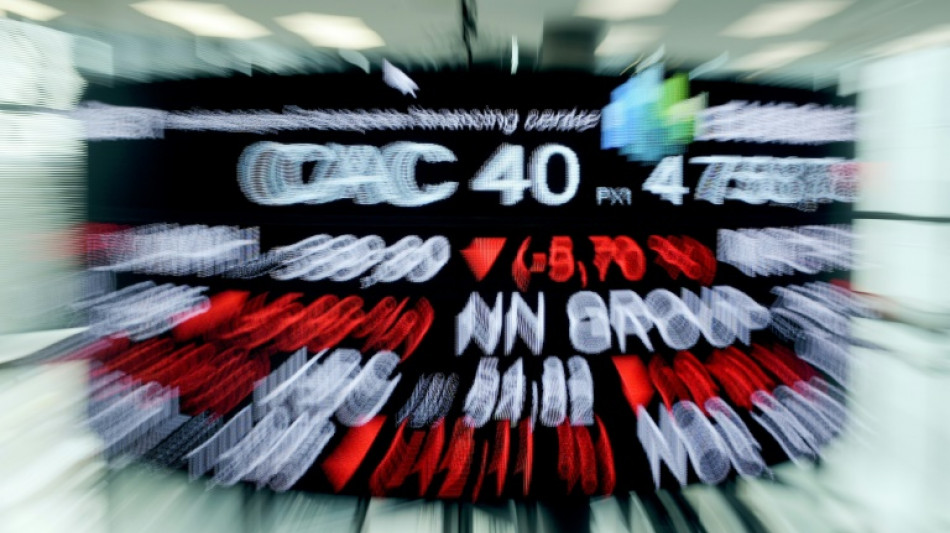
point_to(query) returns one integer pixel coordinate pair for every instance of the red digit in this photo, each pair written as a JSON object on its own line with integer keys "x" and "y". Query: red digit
{"x": 561, "y": 259}
{"x": 603, "y": 254}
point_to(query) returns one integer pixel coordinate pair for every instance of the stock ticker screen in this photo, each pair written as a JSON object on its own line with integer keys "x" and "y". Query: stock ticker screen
{"x": 531, "y": 286}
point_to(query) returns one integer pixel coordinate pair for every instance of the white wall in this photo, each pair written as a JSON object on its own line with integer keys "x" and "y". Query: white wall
{"x": 898, "y": 472}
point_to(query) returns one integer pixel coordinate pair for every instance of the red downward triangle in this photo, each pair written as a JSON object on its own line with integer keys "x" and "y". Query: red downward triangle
{"x": 482, "y": 253}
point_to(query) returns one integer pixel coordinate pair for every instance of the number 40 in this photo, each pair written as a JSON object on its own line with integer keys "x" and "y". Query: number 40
{"x": 504, "y": 172}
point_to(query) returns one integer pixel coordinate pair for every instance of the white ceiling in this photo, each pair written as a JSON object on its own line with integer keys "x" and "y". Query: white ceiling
{"x": 427, "y": 33}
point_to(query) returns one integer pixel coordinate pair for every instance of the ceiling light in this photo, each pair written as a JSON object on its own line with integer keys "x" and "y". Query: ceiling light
{"x": 623, "y": 9}
{"x": 627, "y": 39}
{"x": 30, "y": 9}
{"x": 933, "y": 37}
{"x": 777, "y": 55}
{"x": 208, "y": 20}
{"x": 783, "y": 18}
{"x": 332, "y": 31}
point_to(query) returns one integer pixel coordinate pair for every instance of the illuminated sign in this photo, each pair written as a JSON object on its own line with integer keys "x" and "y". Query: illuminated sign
{"x": 484, "y": 288}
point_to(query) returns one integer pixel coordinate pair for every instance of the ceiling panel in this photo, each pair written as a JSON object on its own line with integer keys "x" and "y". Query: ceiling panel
{"x": 428, "y": 32}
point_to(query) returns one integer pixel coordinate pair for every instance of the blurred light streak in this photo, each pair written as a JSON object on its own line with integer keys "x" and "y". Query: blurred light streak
{"x": 332, "y": 31}
{"x": 204, "y": 19}
{"x": 622, "y": 10}
{"x": 30, "y": 9}
{"x": 783, "y": 18}
{"x": 773, "y": 56}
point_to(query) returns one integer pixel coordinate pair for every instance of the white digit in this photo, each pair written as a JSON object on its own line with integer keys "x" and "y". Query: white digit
{"x": 787, "y": 181}
{"x": 553, "y": 393}
{"x": 511, "y": 402}
{"x": 666, "y": 180}
{"x": 504, "y": 172}
{"x": 580, "y": 387}
{"x": 712, "y": 183}
{"x": 370, "y": 390}
{"x": 753, "y": 179}
{"x": 481, "y": 399}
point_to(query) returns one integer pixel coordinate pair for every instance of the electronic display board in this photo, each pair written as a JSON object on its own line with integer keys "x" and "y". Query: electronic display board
{"x": 531, "y": 286}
